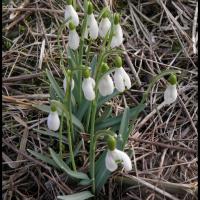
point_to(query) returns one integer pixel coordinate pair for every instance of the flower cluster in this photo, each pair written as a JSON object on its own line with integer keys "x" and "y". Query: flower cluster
{"x": 92, "y": 28}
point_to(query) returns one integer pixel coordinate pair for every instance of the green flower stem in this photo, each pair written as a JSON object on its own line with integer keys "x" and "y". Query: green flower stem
{"x": 88, "y": 119}
{"x": 80, "y": 74}
{"x": 60, "y": 135}
{"x": 92, "y": 145}
{"x": 67, "y": 101}
{"x": 88, "y": 52}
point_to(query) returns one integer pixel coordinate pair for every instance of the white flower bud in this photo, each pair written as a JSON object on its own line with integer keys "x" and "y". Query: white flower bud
{"x": 88, "y": 88}
{"x": 92, "y": 26}
{"x": 53, "y": 121}
{"x": 104, "y": 27}
{"x": 117, "y": 39}
{"x": 74, "y": 39}
{"x": 106, "y": 86}
{"x": 121, "y": 79}
{"x": 170, "y": 94}
{"x": 70, "y": 12}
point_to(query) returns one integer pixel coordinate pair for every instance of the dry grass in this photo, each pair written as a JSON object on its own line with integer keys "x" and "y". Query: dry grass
{"x": 158, "y": 35}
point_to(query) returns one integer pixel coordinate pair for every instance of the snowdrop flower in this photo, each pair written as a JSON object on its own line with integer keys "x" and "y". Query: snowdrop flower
{"x": 117, "y": 38}
{"x": 88, "y": 85}
{"x": 170, "y": 93}
{"x": 92, "y": 26}
{"x": 65, "y": 84}
{"x": 121, "y": 78}
{"x": 106, "y": 86}
{"x": 104, "y": 25}
{"x": 70, "y": 13}
{"x": 115, "y": 156}
{"x": 74, "y": 39}
{"x": 53, "y": 121}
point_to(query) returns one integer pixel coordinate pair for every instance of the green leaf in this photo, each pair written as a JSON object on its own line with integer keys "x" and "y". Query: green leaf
{"x": 123, "y": 130}
{"x": 55, "y": 85}
{"x": 44, "y": 158}
{"x": 78, "y": 196}
{"x": 65, "y": 168}
{"x": 102, "y": 174}
{"x": 60, "y": 108}
{"x": 83, "y": 109}
{"x": 93, "y": 64}
{"x": 51, "y": 134}
{"x": 85, "y": 182}
{"x": 112, "y": 121}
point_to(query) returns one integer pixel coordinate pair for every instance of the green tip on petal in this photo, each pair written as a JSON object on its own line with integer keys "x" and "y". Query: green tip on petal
{"x": 69, "y": 2}
{"x": 111, "y": 142}
{"x": 72, "y": 26}
{"x": 53, "y": 107}
{"x": 118, "y": 61}
{"x": 104, "y": 67}
{"x": 90, "y": 8}
{"x": 172, "y": 79}
{"x": 116, "y": 18}
{"x": 86, "y": 73}
{"x": 105, "y": 13}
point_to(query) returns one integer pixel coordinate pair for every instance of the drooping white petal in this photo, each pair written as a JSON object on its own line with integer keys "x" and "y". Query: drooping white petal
{"x": 88, "y": 88}
{"x": 106, "y": 86}
{"x": 121, "y": 79}
{"x": 104, "y": 27}
{"x": 111, "y": 165}
{"x": 126, "y": 161}
{"x": 70, "y": 12}
{"x": 170, "y": 94}
{"x": 118, "y": 80}
{"x": 65, "y": 84}
{"x": 117, "y": 39}
{"x": 53, "y": 121}
{"x": 74, "y": 39}
{"x": 93, "y": 28}
{"x": 126, "y": 78}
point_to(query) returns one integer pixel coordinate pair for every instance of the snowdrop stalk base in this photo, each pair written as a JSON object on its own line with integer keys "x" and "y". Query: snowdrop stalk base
{"x": 92, "y": 145}
{"x": 70, "y": 130}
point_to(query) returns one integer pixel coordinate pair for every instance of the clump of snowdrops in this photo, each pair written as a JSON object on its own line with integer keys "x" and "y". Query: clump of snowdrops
{"x": 89, "y": 81}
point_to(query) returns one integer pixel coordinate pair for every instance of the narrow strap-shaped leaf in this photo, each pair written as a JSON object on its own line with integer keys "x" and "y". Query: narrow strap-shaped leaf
{"x": 123, "y": 130}
{"x": 112, "y": 121}
{"x": 44, "y": 158}
{"x": 65, "y": 168}
{"x": 78, "y": 196}
{"x": 83, "y": 109}
{"x": 55, "y": 85}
